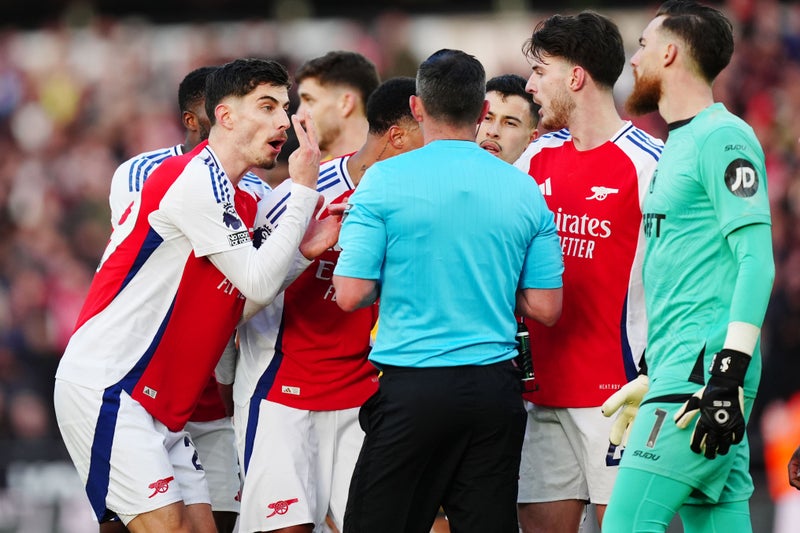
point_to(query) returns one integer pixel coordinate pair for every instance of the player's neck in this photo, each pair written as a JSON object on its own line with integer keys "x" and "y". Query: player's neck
{"x": 594, "y": 123}
{"x": 352, "y": 136}
{"x": 433, "y": 130}
{"x": 683, "y": 99}
{"x": 377, "y": 148}
{"x": 230, "y": 159}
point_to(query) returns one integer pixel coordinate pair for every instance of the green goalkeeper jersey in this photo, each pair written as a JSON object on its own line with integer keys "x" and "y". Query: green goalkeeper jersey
{"x": 710, "y": 181}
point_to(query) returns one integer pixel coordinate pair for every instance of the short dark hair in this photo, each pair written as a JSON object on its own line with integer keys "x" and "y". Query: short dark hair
{"x": 240, "y": 77}
{"x": 389, "y": 104}
{"x": 193, "y": 87}
{"x": 452, "y": 86}
{"x": 706, "y": 31}
{"x": 514, "y": 85}
{"x": 341, "y": 67}
{"x": 587, "y": 39}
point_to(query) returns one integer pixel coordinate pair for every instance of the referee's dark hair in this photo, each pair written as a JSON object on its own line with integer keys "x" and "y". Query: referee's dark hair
{"x": 452, "y": 86}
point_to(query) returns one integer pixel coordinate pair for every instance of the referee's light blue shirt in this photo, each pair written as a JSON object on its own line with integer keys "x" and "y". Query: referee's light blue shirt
{"x": 450, "y": 232}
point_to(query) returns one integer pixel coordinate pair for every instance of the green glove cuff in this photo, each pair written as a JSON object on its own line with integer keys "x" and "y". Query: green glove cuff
{"x": 730, "y": 365}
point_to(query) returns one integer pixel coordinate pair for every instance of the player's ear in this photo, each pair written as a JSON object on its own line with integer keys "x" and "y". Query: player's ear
{"x": 347, "y": 103}
{"x": 190, "y": 121}
{"x": 577, "y": 78}
{"x": 670, "y": 54}
{"x": 224, "y": 115}
{"x": 396, "y": 136}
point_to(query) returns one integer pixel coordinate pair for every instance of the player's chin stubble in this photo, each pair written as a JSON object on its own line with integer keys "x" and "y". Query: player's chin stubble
{"x": 560, "y": 109}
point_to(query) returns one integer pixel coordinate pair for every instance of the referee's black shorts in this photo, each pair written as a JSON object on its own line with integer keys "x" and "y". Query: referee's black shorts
{"x": 447, "y": 436}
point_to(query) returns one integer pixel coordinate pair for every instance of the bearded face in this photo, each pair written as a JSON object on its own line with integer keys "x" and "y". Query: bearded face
{"x": 645, "y": 96}
{"x": 556, "y": 113}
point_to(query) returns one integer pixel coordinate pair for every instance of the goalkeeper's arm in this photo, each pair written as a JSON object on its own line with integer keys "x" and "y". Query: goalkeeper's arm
{"x": 721, "y": 402}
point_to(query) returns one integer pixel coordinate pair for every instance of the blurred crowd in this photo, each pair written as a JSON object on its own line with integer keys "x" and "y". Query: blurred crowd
{"x": 81, "y": 96}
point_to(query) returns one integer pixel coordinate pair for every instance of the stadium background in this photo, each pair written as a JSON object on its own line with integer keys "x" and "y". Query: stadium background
{"x": 86, "y": 84}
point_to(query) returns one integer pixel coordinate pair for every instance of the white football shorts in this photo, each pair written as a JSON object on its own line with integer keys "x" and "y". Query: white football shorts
{"x": 215, "y": 442}
{"x": 566, "y": 456}
{"x": 299, "y": 466}
{"x": 129, "y": 462}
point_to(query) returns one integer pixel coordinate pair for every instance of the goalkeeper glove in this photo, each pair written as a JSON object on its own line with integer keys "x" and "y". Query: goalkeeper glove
{"x": 720, "y": 404}
{"x": 628, "y": 398}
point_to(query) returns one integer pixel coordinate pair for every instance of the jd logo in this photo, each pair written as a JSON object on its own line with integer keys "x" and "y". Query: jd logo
{"x": 741, "y": 178}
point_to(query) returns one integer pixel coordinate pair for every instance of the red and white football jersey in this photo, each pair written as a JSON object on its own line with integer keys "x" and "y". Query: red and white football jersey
{"x": 596, "y": 197}
{"x": 159, "y": 314}
{"x": 303, "y": 351}
{"x": 126, "y": 187}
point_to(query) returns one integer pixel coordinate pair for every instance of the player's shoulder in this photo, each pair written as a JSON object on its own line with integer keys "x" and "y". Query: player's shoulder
{"x": 197, "y": 172}
{"x": 553, "y": 139}
{"x": 138, "y": 168}
{"x": 638, "y": 144}
{"x": 253, "y": 185}
{"x": 717, "y": 121}
{"x": 151, "y": 157}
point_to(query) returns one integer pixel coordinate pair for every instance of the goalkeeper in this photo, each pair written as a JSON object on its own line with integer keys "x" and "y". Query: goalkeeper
{"x": 708, "y": 273}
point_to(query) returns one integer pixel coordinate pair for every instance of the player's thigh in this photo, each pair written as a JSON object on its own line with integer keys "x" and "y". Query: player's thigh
{"x": 345, "y": 445}
{"x": 549, "y": 463}
{"x": 175, "y": 518}
{"x": 658, "y": 445}
{"x": 216, "y": 445}
{"x": 717, "y": 518}
{"x": 643, "y": 502}
{"x": 588, "y": 432}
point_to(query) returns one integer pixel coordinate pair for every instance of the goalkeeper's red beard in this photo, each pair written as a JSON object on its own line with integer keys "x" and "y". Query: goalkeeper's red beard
{"x": 645, "y": 96}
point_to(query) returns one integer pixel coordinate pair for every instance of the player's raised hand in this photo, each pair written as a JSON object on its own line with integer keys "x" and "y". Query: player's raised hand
{"x": 720, "y": 405}
{"x": 304, "y": 161}
{"x": 323, "y": 230}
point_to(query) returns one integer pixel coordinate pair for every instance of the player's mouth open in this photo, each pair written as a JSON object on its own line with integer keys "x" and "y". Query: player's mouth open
{"x": 491, "y": 147}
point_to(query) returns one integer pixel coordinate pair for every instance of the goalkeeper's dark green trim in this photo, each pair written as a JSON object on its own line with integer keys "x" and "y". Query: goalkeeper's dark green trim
{"x": 668, "y": 398}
